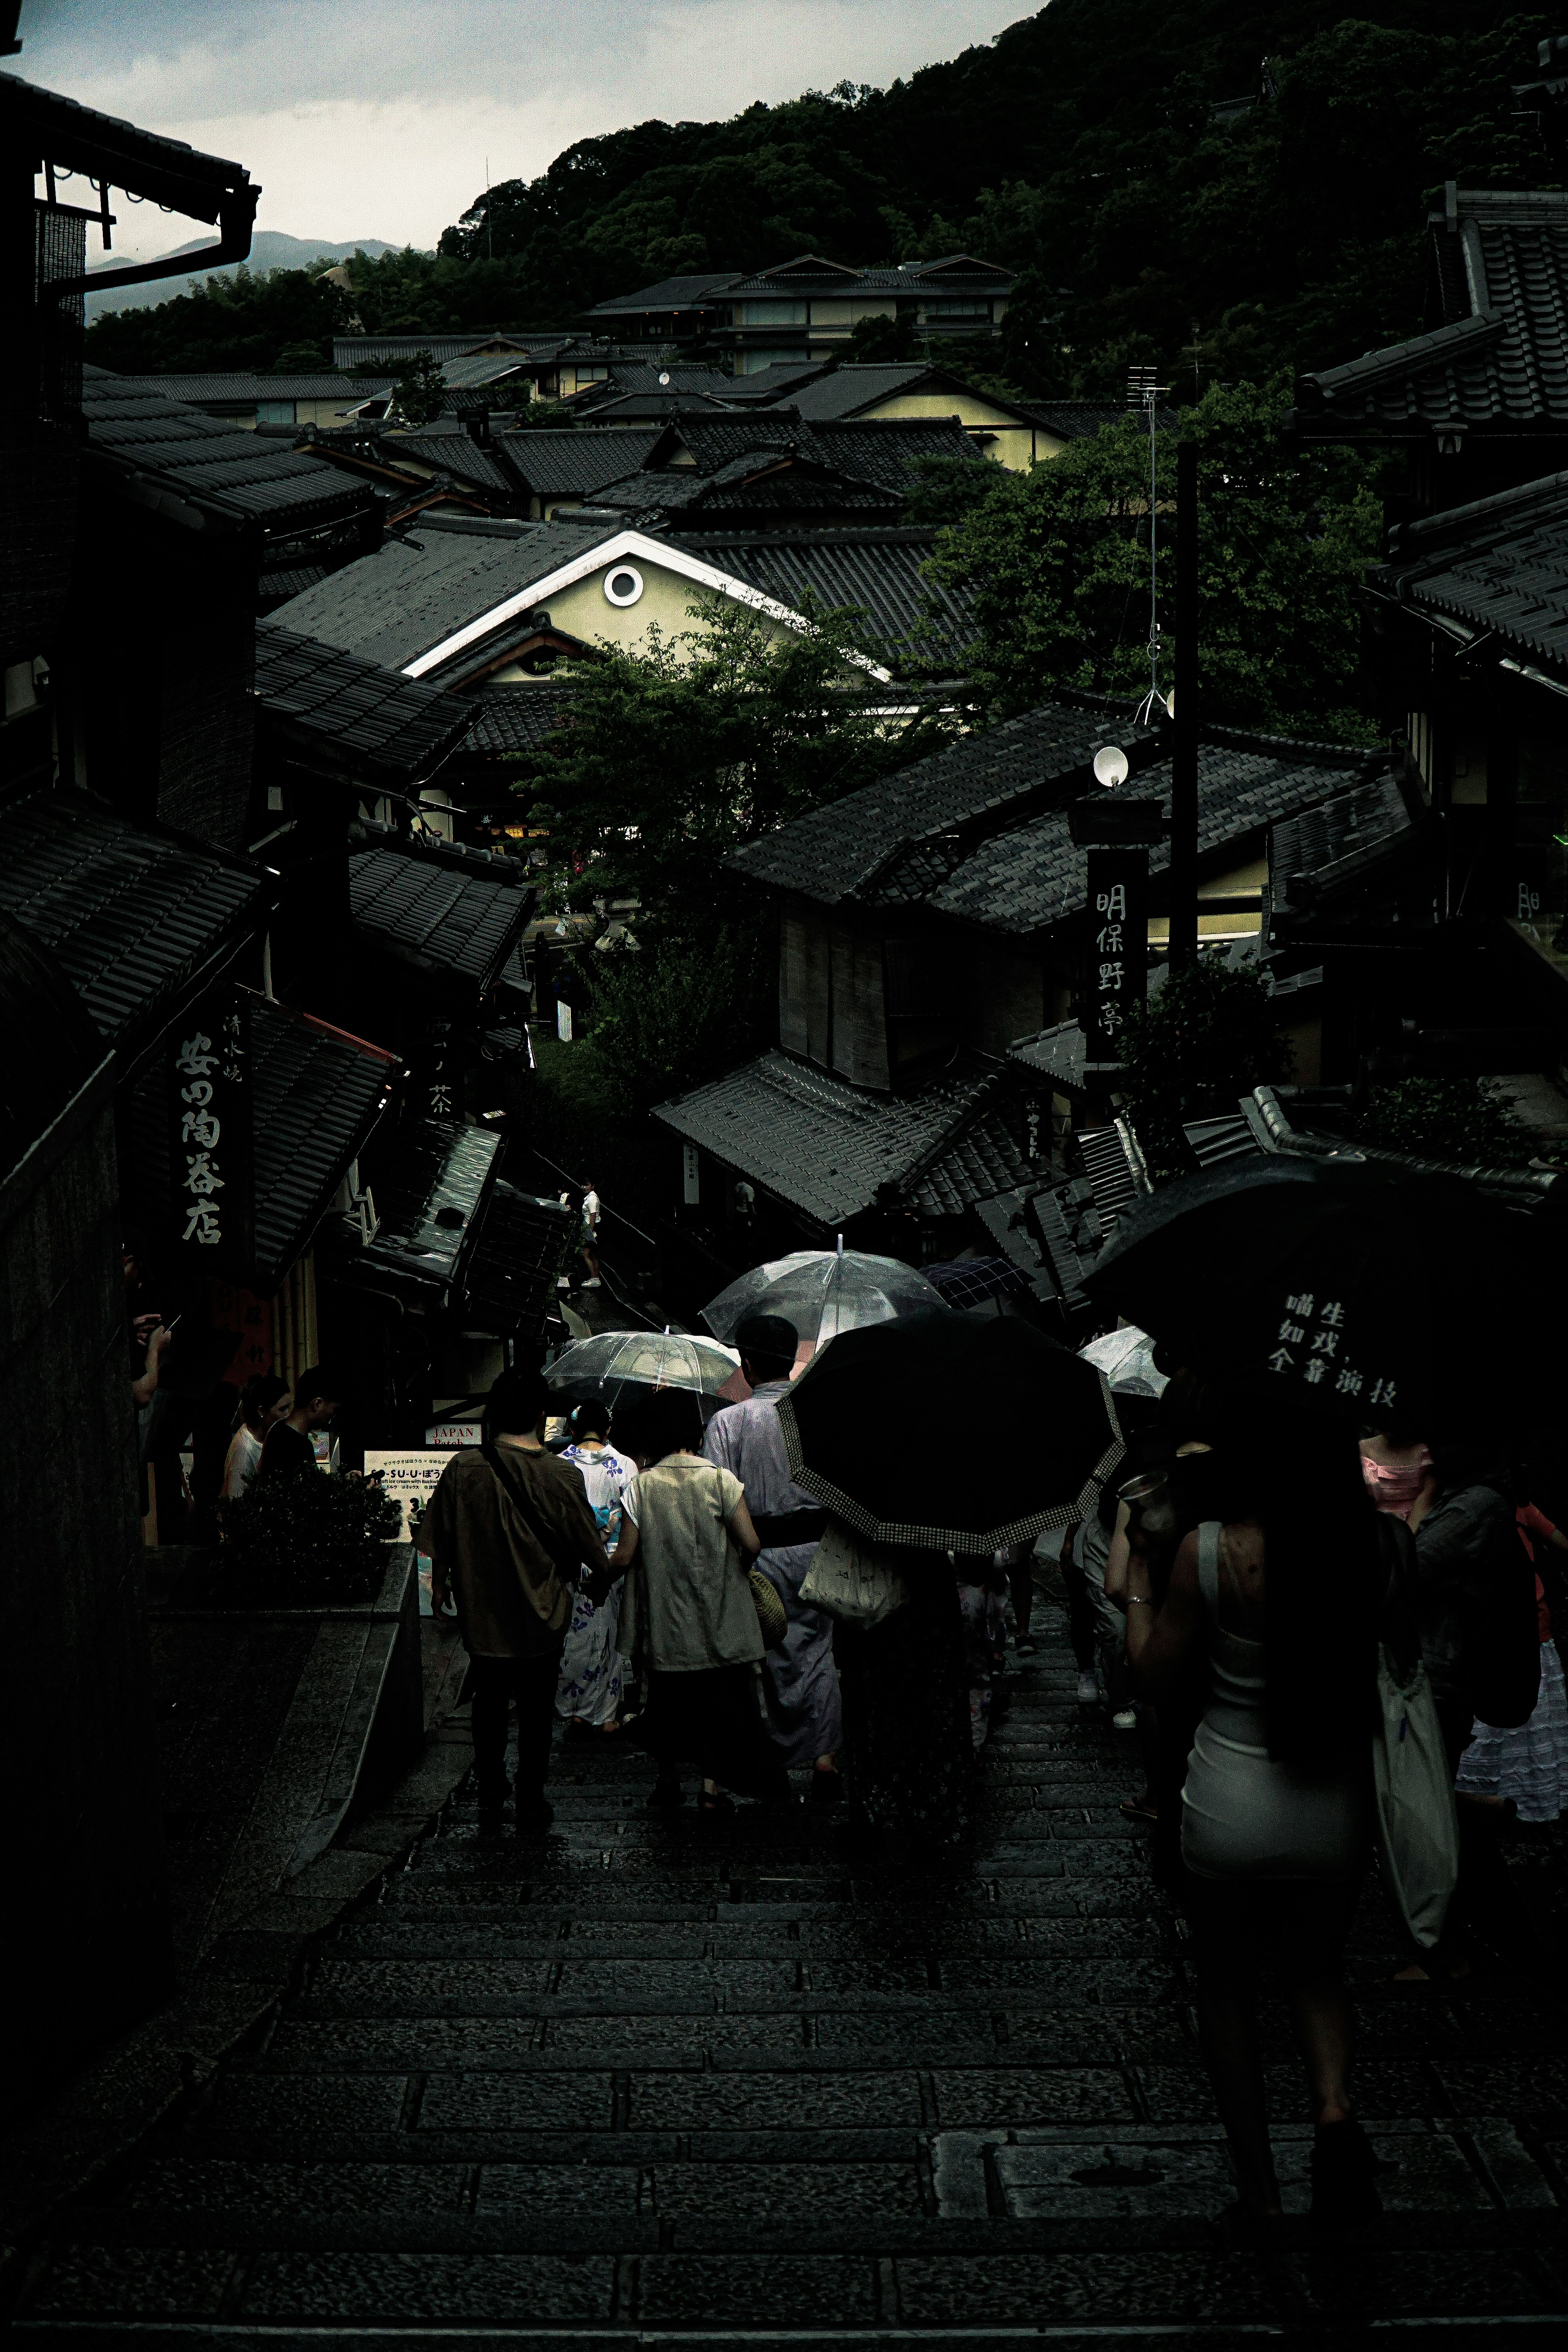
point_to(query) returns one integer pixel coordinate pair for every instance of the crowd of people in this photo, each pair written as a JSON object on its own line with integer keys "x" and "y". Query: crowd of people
{"x": 661, "y": 1576}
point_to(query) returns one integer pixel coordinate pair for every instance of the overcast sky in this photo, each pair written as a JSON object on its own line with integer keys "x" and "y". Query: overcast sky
{"x": 377, "y": 119}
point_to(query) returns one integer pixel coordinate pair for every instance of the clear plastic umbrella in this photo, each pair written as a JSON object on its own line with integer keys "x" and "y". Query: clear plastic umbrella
{"x": 611, "y": 1360}
{"x": 1127, "y": 1360}
{"x": 823, "y": 1292}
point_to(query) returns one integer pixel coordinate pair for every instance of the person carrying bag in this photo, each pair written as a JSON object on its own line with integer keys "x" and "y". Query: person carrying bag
{"x": 1415, "y": 1818}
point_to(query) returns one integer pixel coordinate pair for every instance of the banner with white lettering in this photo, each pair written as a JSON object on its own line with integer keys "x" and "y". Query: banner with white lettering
{"x": 1116, "y": 958}
{"x": 212, "y": 1187}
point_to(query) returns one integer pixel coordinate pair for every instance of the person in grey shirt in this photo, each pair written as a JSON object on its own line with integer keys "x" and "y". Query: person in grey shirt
{"x": 800, "y": 1682}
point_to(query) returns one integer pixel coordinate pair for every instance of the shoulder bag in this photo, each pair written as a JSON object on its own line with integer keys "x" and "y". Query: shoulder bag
{"x": 850, "y": 1581}
{"x": 569, "y": 1566}
{"x": 1415, "y": 1817}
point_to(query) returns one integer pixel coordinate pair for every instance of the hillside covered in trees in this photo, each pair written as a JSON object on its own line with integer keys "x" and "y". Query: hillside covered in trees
{"x": 1081, "y": 147}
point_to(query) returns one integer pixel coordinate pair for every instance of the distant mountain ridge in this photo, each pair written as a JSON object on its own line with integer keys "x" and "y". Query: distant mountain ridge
{"x": 270, "y": 248}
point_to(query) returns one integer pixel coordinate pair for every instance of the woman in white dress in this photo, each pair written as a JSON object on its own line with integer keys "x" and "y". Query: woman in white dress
{"x": 588, "y": 1695}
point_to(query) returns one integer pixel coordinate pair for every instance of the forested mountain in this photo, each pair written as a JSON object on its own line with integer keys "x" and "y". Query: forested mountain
{"x": 1081, "y": 146}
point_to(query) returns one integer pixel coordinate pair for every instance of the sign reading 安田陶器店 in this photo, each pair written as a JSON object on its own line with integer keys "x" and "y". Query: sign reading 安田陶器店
{"x": 410, "y": 1476}
{"x": 211, "y": 1148}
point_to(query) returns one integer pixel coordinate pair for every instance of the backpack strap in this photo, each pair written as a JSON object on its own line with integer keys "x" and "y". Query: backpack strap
{"x": 1208, "y": 1566}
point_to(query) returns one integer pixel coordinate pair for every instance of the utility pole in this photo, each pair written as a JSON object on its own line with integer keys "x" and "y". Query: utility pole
{"x": 1183, "y": 868}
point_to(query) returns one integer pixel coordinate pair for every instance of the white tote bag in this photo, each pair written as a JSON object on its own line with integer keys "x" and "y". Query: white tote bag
{"x": 847, "y": 1579}
{"x": 1417, "y": 1821}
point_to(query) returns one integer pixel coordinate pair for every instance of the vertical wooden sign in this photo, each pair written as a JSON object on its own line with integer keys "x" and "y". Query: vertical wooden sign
{"x": 1116, "y": 958}
{"x": 212, "y": 1179}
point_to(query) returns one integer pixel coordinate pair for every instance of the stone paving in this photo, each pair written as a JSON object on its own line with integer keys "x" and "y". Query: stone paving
{"x": 656, "y": 2079}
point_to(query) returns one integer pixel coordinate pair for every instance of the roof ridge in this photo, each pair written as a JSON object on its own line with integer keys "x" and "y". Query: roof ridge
{"x": 1321, "y": 388}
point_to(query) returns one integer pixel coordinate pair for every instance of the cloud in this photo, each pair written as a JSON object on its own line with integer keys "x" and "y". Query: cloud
{"x": 380, "y": 124}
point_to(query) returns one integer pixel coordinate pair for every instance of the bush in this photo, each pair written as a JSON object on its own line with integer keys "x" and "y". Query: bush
{"x": 1463, "y": 1119}
{"x": 1193, "y": 1050}
{"x": 305, "y": 1539}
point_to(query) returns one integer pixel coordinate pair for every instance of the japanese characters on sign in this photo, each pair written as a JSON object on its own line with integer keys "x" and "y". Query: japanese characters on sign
{"x": 210, "y": 1133}
{"x": 1311, "y": 1344}
{"x": 1116, "y": 960}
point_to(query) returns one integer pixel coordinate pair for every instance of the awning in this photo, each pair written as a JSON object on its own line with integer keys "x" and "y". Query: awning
{"x": 522, "y": 1249}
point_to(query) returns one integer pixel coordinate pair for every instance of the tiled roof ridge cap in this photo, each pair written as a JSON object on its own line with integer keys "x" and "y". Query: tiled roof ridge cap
{"x": 1295, "y": 750}
{"x": 477, "y": 863}
{"x": 968, "y": 1107}
{"x": 304, "y": 1020}
{"x": 1411, "y": 357}
{"x": 1451, "y": 523}
{"x": 1500, "y": 202}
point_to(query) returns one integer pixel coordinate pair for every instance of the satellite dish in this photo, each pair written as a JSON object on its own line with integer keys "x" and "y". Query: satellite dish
{"x": 1110, "y": 764}
{"x": 1171, "y": 703}
{"x": 665, "y": 378}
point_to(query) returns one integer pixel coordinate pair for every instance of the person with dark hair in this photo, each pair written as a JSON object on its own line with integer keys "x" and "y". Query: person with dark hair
{"x": 687, "y": 1610}
{"x": 318, "y": 1393}
{"x": 588, "y": 1695}
{"x": 264, "y": 1400}
{"x": 510, "y": 1534}
{"x": 800, "y": 1684}
{"x": 1284, "y": 1598}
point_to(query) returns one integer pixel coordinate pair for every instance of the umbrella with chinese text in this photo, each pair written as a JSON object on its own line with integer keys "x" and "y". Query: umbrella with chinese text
{"x": 1395, "y": 1298}
{"x": 878, "y": 1429}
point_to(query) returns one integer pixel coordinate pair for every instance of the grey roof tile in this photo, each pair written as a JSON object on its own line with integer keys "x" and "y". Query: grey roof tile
{"x": 523, "y": 1246}
{"x": 132, "y": 429}
{"x": 1029, "y": 880}
{"x": 445, "y": 911}
{"x": 834, "y": 852}
{"x": 449, "y": 453}
{"x": 428, "y": 582}
{"x": 1499, "y": 565}
{"x": 374, "y": 718}
{"x": 241, "y": 385}
{"x": 1339, "y": 842}
{"x": 518, "y": 718}
{"x": 133, "y": 915}
{"x": 557, "y": 461}
{"x": 834, "y": 1150}
{"x": 859, "y": 384}
{"x": 876, "y": 569}
{"x": 670, "y": 294}
{"x": 433, "y": 1181}
{"x": 1495, "y": 353}
{"x": 870, "y": 449}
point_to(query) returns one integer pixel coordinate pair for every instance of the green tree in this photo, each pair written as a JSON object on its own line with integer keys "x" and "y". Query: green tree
{"x": 1056, "y": 564}
{"x": 678, "y": 751}
{"x": 1464, "y": 1119}
{"x": 693, "y": 1008}
{"x": 420, "y": 393}
{"x": 282, "y": 318}
{"x": 882, "y": 339}
{"x": 1193, "y": 1049}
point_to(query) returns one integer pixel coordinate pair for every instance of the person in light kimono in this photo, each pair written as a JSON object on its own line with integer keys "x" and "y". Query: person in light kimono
{"x": 593, "y": 1673}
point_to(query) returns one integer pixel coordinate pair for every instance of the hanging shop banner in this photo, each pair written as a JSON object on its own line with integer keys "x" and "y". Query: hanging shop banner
{"x": 211, "y": 1185}
{"x": 1116, "y": 961}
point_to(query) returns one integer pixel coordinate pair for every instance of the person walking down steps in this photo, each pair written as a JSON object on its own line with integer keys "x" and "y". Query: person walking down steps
{"x": 511, "y": 1539}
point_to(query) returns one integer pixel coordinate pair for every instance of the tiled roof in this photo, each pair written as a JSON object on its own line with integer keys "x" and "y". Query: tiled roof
{"x": 433, "y": 1181}
{"x": 1029, "y": 880}
{"x": 1497, "y": 348}
{"x": 980, "y": 1160}
{"x": 487, "y": 367}
{"x": 135, "y": 917}
{"x": 869, "y": 449}
{"x": 670, "y": 294}
{"x": 517, "y": 718}
{"x": 76, "y": 138}
{"x": 876, "y": 569}
{"x": 374, "y": 719}
{"x": 358, "y": 350}
{"x": 960, "y": 269}
{"x": 1080, "y": 420}
{"x": 829, "y": 1147}
{"x": 523, "y": 1246}
{"x": 608, "y": 404}
{"x": 1337, "y": 843}
{"x": 447, "y": 912}
{"x": 318, "y": 1095}
{"x": 770, "y": 486}
{"x": 240, "y": 386}
{"x": 134, "y": 429}
{"x": 576, "y": 458}
{"x": 1499, "y": 565}
{"x": 861, "y": 383}
{"x": 985, "y": 780}
{"x": 430, "y": 580}
{"x": 449, "y": 453}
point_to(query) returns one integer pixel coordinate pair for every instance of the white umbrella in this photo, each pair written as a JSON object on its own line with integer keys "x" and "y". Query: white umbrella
{"x": 610, "y": 1360}
{"x": 1127, "y": 1358}
{"x": 823, "y": 1292}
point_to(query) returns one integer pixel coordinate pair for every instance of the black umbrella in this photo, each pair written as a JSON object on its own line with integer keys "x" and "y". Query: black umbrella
{"x": 1396, "y": 1298}
{"x": 879, "y": 1427}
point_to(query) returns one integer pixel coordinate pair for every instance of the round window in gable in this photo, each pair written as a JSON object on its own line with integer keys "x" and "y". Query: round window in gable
{"x": 623, "y": 585}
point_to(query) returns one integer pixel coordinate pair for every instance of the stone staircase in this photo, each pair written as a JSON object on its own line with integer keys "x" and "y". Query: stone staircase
{"x": 658, "y": 2080}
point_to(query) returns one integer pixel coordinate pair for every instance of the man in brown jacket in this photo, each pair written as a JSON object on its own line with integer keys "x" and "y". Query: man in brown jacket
{"x": 511, "y": 1535}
